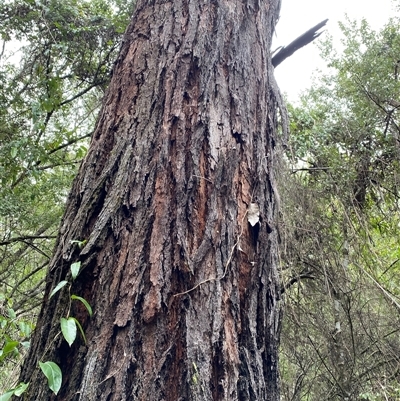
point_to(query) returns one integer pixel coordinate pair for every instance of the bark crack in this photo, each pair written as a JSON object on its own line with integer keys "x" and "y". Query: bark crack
{"x": 235, "y": 245}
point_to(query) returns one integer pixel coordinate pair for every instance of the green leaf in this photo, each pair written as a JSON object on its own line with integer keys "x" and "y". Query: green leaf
{"x": 75, "y": 267}
{"x": 68, "y": 328}
{"x": 21, "y": 388}
{"x": 25, "y": 329}
{"x": 11, "y": 313}
{"x": 6, "y": 396}
{"x": 10, "y": 346}
{"x": 82, "y": 243}
{"x": 88, "y": 307}
{"x": 60, "y": 285}
{"x": 54, "y": 376}
{"x": 80, "y": 329}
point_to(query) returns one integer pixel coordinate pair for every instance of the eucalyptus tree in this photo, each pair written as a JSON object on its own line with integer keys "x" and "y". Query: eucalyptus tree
{"x": 171, "y": 219}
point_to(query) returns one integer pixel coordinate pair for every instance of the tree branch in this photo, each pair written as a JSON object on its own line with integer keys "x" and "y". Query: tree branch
{"x": 293, "y": 280}
{"x": 297, "y": 44}
{"x": 26, "y": 238}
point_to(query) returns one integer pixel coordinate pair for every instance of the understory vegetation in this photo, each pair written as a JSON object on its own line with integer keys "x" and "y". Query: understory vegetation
{"x": 56, "y": 60}
{"x": 339, "y": 189}
{"x": 340, "y": 225}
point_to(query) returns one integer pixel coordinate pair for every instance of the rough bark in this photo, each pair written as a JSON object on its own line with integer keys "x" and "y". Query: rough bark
{"x": 183, "y": 145}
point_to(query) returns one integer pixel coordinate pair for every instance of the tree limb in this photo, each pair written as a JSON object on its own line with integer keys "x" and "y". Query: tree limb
{"x": 297, "y": 44}
{"x": 26, "y": 238}
{"x": 294, "y": 280}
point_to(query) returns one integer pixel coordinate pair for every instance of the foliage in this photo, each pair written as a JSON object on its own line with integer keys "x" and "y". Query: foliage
{"x": 68, "y": 329}
{"x": 341, "y": 225}
{"x": 65, "y": 52}
{"x": 53, "y": 374}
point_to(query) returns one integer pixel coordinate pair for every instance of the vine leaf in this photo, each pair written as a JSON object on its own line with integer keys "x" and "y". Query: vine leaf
{"x": 83, "y": 300}
{"x": 21, "y": 388}
{"x": 75, "y": 267}
{"x": 54, "y": 376}
{"x": 80, "y": 329}
{"x": 6, "y": 396}
{"x": 60, "y": 285}
{"x": 68, "y": 329}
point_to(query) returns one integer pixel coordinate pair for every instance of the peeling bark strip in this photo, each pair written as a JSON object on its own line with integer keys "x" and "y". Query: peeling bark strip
{"x": 183, "y": 146}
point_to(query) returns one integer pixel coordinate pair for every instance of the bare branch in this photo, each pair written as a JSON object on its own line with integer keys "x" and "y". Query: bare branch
{"x": 297, "y": 44}
{"x": 26, "y": 238}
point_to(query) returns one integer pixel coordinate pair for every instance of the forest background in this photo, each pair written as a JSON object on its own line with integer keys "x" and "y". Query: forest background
{"x": 339, "y": 190}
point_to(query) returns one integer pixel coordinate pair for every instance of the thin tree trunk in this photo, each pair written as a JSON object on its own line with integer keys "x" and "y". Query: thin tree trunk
{"x": 184, "y": 290}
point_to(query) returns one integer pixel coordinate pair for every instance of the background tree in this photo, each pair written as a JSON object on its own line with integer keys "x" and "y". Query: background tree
{"x": 341, "y": 217}
{"x": 175, "y": 211}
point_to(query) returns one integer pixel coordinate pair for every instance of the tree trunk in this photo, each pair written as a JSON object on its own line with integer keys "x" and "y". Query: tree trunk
{"x": 184, "y": 289}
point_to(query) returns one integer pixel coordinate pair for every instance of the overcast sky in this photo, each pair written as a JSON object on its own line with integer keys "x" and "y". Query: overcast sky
{"x": 294, "y": 74}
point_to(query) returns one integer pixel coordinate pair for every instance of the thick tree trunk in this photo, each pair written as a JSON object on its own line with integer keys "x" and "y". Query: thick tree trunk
{"x": 184, "y": 290}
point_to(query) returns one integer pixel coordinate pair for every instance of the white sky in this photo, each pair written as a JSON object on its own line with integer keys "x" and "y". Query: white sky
{"x": 294, "y": 74}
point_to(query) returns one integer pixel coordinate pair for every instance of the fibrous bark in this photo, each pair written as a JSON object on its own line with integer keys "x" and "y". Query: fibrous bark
{"x": 183, "y": 145}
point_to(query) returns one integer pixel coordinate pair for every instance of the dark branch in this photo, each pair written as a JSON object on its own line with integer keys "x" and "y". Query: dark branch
{"x": 297, "y": 44}
{"x": 294, "y": 280}
{"x": 26, "y": 238}
{"x": 32, "y": 273}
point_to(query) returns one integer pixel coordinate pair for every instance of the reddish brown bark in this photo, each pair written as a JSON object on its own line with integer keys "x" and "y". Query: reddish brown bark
{"x": 183, "y": 144}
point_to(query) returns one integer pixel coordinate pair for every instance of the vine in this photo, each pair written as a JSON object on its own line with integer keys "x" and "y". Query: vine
{"x": 69, "y": 327}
